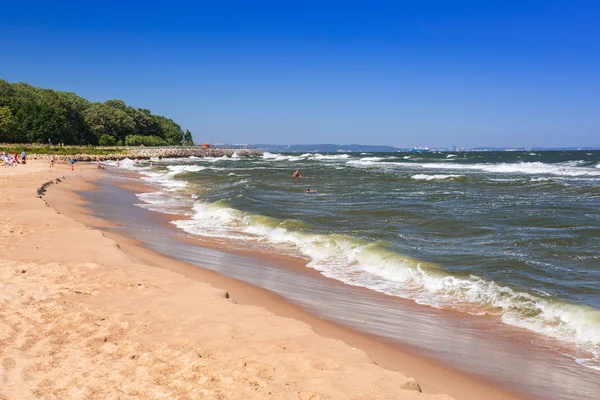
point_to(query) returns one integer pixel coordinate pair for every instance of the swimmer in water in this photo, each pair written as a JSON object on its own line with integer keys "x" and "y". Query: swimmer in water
{"x": 296, "y": 174}
{"x": 309, "y": 190}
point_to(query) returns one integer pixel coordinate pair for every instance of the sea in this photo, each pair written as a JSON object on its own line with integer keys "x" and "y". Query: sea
{"x": 511, "y": 236}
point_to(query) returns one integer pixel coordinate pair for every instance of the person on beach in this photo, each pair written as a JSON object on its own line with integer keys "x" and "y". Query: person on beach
{"x": 296, "y": 174}
{"x": 118, "y": 164}
{"x": 73, "y": 162}
{"x": 23, "y": 157}
{"x": 52, "y": 159}
{"x": 6, "y": 160}
{"x": 150, "y": 164}
{"x": 98, "y": 165}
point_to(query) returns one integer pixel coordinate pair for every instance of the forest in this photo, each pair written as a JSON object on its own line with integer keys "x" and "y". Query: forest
{"x": 34, "y": 115}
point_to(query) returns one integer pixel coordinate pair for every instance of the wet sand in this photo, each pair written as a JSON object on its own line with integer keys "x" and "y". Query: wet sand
{"x": 480, "y": 349}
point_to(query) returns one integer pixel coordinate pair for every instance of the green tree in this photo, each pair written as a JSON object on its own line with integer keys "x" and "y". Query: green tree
{"x": 144, "y": 123}
{"x": 8, "y": 125}
{"x": 118, "y": 104}
{"x": 187, "y": 137}
{"x": 34, "y": 115}
{"x": 170, "y": 131}
{"x": 102, "y": 119}
{"x": 138, "y": 140}
{"x": 107, "y": 140}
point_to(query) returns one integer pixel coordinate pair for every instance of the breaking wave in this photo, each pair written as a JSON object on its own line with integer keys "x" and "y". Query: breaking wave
{"x": 375, "y": 266}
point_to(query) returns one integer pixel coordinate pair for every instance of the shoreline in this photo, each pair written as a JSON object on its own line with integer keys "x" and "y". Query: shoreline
{"x": 83, "y": 319}
{"x": 520, "y": 362}
{"x": 434, "y": 377}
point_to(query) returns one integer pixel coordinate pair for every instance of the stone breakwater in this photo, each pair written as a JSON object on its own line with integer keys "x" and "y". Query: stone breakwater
{"x": 161, "y": 152}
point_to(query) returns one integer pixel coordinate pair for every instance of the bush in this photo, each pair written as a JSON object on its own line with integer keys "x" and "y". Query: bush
{"x": 106, "y": 140}
{"x": 137, "y": 140}
{"x": 67, "y": 150}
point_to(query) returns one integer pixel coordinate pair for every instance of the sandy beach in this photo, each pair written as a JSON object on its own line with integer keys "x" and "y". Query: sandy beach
{"x": 85, "y": 315}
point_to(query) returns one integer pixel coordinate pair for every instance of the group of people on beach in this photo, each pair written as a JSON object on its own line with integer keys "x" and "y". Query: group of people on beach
{"x": 72, "y": 161}
{"x": 296, "y": 175}
{"x": 12, "y": 160}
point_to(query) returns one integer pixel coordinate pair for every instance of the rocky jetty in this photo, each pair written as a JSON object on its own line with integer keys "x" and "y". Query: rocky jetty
{"x": 164, "y": 152}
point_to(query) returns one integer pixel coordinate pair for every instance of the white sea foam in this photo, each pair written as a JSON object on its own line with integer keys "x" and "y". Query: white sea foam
{"x": 306, "y": 156}
{"x": 216, "y": 159}
{"x": 160, "y": 202}
{"x": 566, "y": 169}
{"x": 281, "y": 157}
{"x": 165, "y": 179}
{"x": 185, "y": 168}
{"x": 125, "y": 164}
{"x": 529, "y": 168}
{"x": 331, "y": 157}
{"x": 372, "y": 158}
{"x": 366, "y": 162}
{"x": 167, "y": 199}
{"x": 435, "y": 177}
{"x": 451, "y": 155}
{"x": 326, "y": 157}
{"x": 360, "y": 263}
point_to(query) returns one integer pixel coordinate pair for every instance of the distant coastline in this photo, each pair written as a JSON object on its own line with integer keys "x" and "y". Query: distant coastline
{"x": 352, "y": 148}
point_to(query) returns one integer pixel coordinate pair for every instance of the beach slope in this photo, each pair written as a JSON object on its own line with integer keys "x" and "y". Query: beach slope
{"x": 80, "y": 318}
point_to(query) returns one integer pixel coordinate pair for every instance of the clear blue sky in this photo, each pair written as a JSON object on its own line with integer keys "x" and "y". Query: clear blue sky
{"x": 404, "y": 73}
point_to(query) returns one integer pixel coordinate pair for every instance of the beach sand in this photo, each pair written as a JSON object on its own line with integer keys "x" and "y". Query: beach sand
{"x": 84, "y": 315}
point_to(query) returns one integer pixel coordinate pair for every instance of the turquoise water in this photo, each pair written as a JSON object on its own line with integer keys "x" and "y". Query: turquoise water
{"x": 511, "y": 234}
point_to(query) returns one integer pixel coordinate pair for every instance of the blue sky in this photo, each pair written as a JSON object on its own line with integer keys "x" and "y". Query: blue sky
{"x": 403, "y": 73}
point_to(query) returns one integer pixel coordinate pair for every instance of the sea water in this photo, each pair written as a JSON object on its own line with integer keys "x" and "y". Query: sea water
{"x": 514, "y": 235}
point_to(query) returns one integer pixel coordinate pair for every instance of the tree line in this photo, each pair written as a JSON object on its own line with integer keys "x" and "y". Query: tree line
{"x": 34, "y": 115}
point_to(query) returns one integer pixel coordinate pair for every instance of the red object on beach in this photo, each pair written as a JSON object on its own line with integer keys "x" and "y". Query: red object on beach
{"x": 207, "y": 145}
